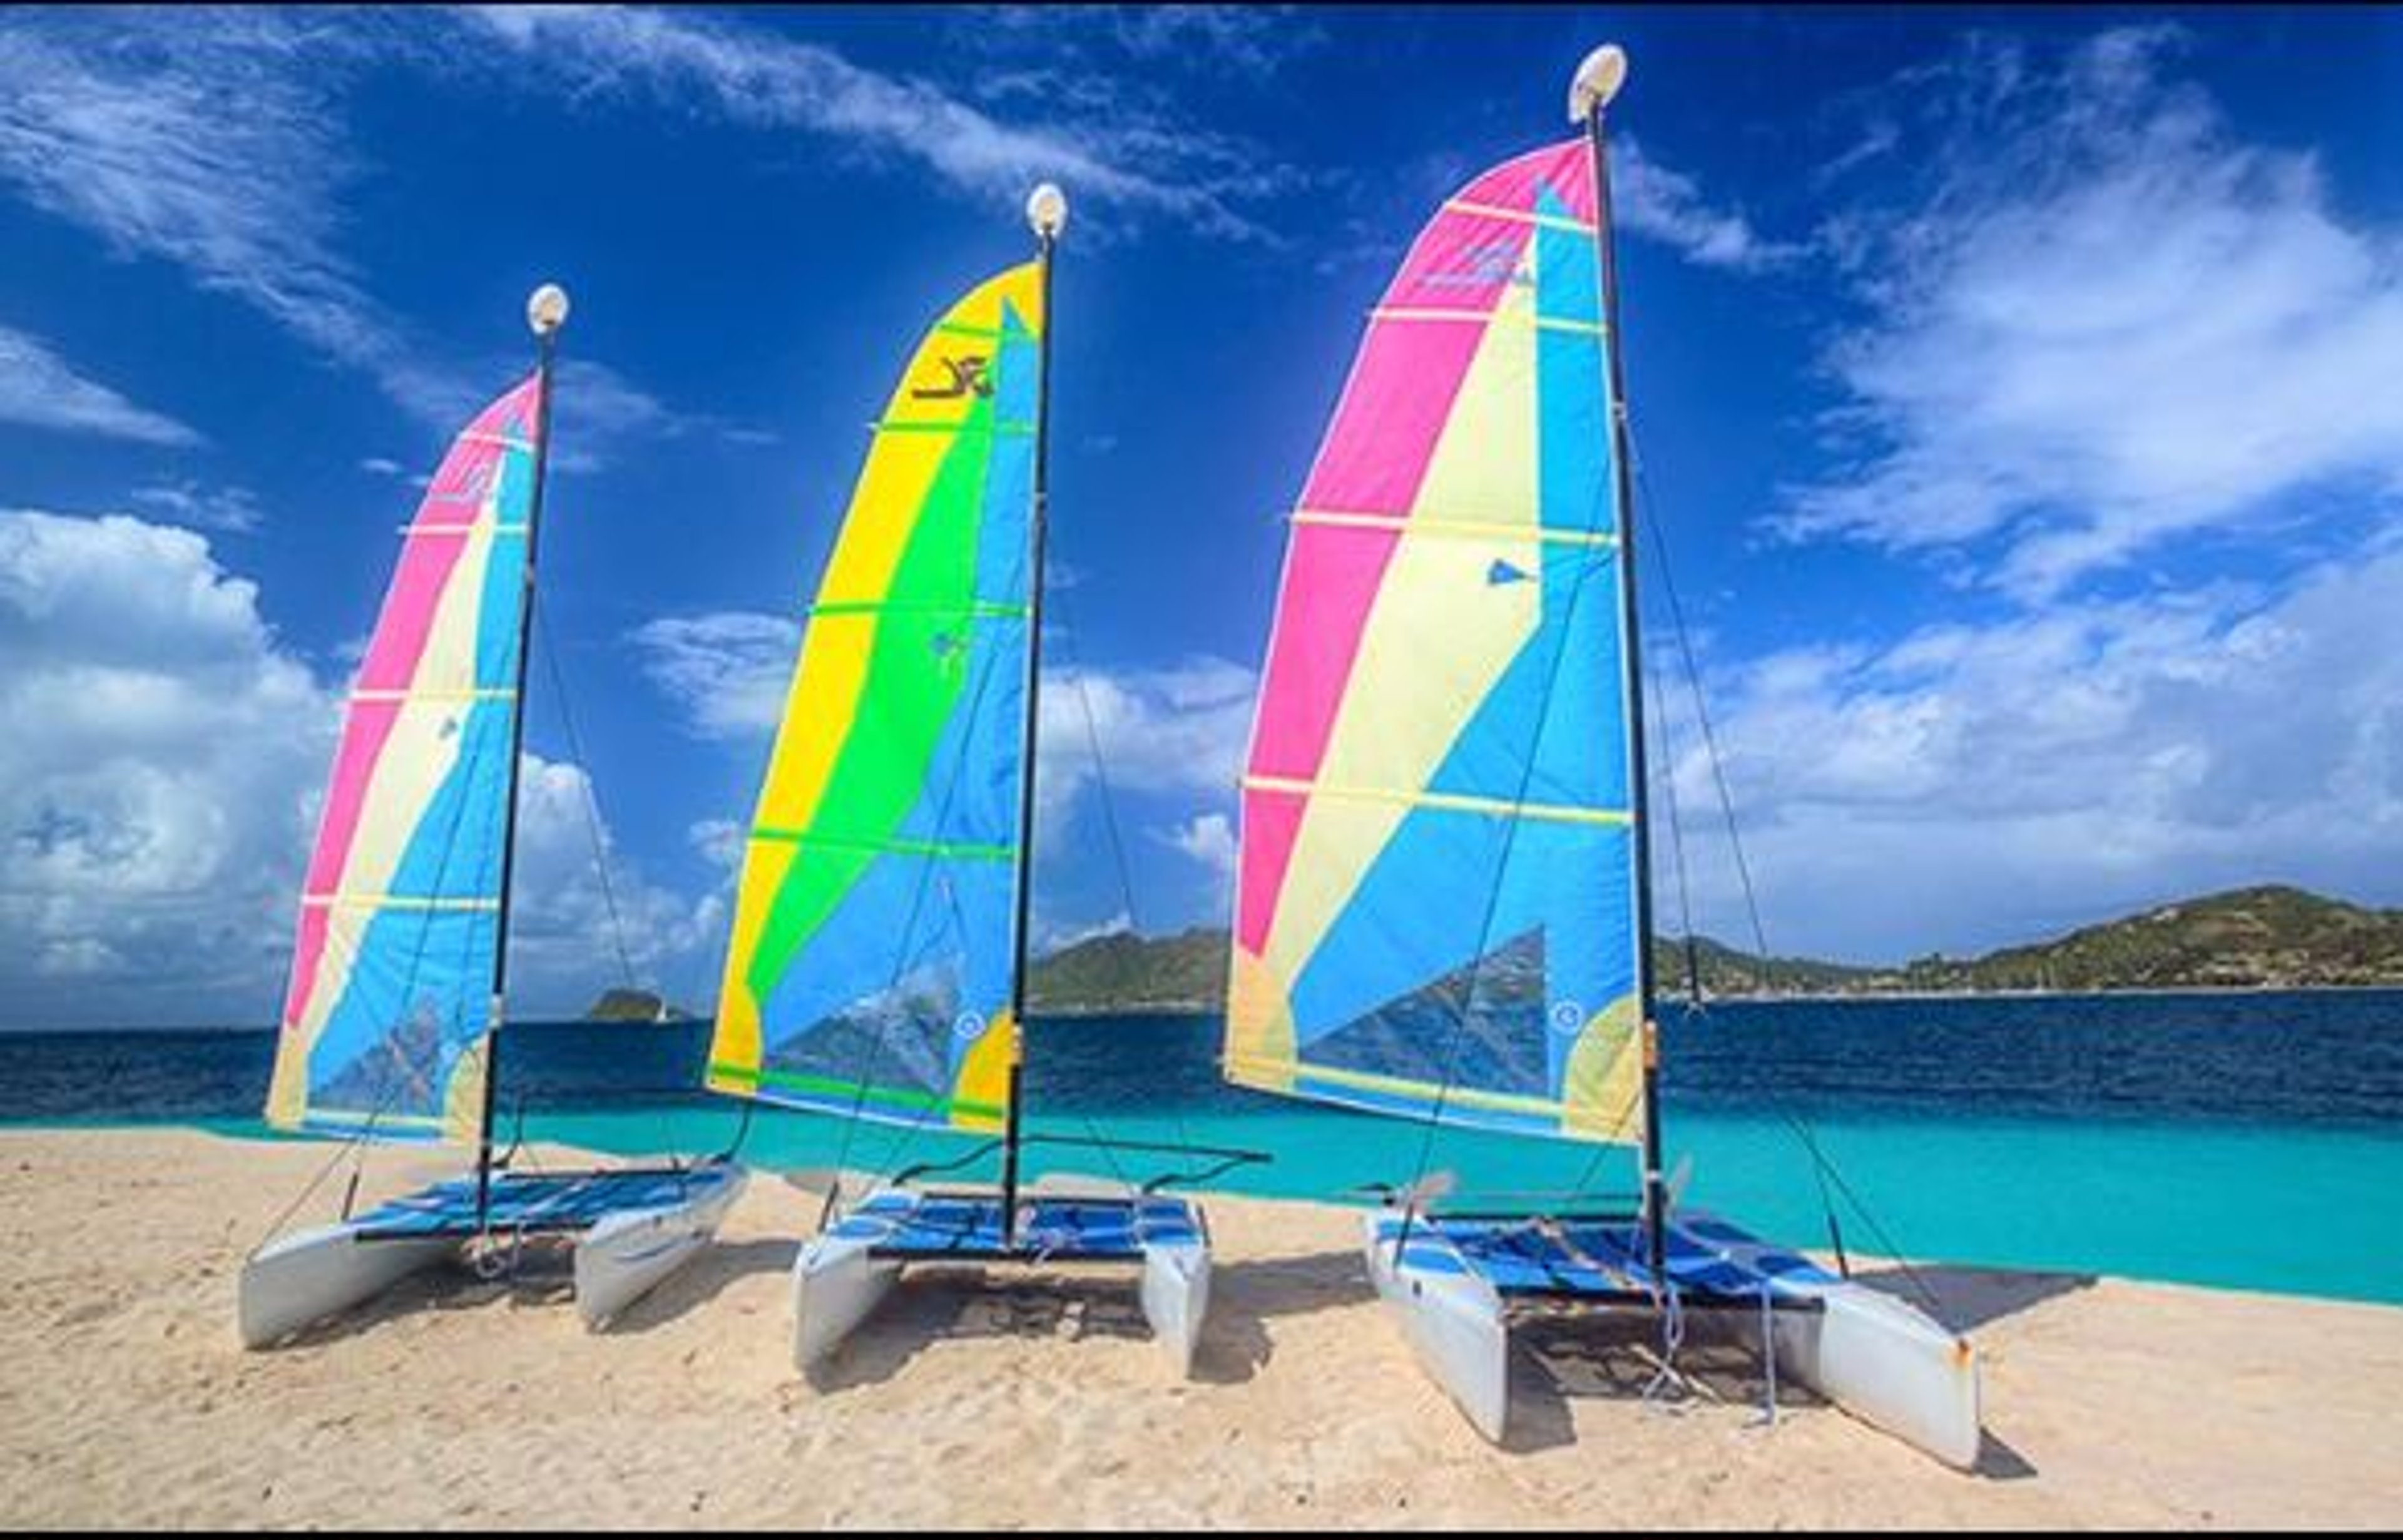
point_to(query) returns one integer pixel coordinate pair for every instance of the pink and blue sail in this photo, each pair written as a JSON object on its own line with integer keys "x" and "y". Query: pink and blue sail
{"x": 391, "y": 994}
{"x": 1436, "y": 908}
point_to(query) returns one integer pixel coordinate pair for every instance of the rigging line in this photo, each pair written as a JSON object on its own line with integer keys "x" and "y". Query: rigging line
{"x": 591, "y": 801}
{"x": 1125, "y": 874}
{"x": 1659, "y": 712}
{"x": 870, "y": 1055}
{"x": 1826, "y": 1167}
{"x": 591, "y": 805}
{"x": 1471, "y": 977}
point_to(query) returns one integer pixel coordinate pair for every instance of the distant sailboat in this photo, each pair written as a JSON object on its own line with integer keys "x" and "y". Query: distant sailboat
{"x": 1443, "y": 904}
{"x": 879, "y": 963}
{"x": 392, "y": 1021}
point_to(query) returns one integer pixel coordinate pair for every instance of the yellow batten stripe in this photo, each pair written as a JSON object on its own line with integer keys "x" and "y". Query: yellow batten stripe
{"x": 1519, "y": 216}
{"x": 1464, "y": 528}
{"x": 1415, "y": 1090}
{"x": 1549, "y": 812}
{"x": 503, "y": 439}
{"x": 435, "y": 695}
{"x": 396, "y": 1119}
{"x": 1506, "y": 318}
{"x": 393, "y": 901}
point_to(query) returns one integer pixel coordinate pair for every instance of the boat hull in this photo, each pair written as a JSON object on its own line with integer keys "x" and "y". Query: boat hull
{"x": 1867, "y": 1352}
{"x": 841, "y": 1276}
{"x": 304, "y": 1278}
{"x": 630, "y": 1253}
{"x": 632, "y": 1229}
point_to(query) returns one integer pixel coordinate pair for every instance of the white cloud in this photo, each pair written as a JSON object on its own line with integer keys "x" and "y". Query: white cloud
{"x": 1208, "y": 841}
{"x": 228, "y": 509}
{"x": 1650, "y": 199}
{"x": 1979, "y": 783}
{"x": 1125, "y": 155}
{"x": 217, "y": 145}
{"x": 2102, "y": 326}
{"x": 1176, "y": 729}
{"x": 157, "y": 787}
{"x": 165, "y": 761}
{"x": 726, "y": 671}
{"x": 40, "y": 389}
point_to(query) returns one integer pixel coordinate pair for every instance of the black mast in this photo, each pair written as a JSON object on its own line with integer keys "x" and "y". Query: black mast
{"x": 1046, "y": 210}
{"x": 546, "y": 313}
{"x": 1598, "y": 80}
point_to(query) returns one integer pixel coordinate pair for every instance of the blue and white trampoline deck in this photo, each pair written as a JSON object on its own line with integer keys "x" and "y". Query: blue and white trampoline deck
{"x": 632, "y": 1230}
{"x": 845, "y": 1273}
{"x": 937, "y": 1226}
{"x": 539, "y": 1202}
{"x": 1707, "y": 1262}
{"x": 1457, "y": 1279}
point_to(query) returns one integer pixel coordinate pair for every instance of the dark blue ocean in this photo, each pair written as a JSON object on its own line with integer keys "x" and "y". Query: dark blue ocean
{"x": 2240, "y": 1140}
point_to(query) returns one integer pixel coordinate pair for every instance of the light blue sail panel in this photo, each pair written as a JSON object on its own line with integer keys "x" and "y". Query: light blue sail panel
{"x": 1473, "y": 958}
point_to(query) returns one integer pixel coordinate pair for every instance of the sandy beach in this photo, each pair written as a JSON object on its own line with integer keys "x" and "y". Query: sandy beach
{"x": 125, "y": 1400}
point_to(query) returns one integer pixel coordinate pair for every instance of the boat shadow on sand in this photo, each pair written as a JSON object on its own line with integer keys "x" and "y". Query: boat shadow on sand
{"x": 945, "y": 1303}
{"x": 1558, "y": 1359}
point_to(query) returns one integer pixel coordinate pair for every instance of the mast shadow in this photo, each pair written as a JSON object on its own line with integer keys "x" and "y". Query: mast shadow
{"x": 720, "y": 1264}
{"x": 1245, "y": 1296}
{"x": 1559, "y": 1359}
{"x": 937, "y": 1303}
{"x": 1964, "y": 1298}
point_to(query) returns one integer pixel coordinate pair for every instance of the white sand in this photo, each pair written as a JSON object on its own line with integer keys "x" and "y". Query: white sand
{"x": 125, "y": 1400}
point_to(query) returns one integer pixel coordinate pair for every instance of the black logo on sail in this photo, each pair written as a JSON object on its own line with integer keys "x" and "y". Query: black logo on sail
{"x": 968, "y": 374}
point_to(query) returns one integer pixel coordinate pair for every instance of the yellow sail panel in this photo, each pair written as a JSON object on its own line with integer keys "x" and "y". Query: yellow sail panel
{"x": 874, "y": 931}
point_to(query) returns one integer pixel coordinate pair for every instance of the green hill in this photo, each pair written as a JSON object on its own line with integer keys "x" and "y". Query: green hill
{"x": 2252, "y": 937}
{"x": 2276, "y": 937}
{"x": 1126, "y": 972}
{"x": 623, "y": 1004}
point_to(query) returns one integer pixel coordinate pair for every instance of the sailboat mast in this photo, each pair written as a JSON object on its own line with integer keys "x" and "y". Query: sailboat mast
{"x": 1047, "y": 212}
{"x": 1599, "y": 80}
{"x": 546, "y": 313}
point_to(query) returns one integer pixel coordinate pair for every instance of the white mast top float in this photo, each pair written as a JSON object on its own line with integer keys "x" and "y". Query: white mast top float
{"x": 547, "y": 309}
{"x": 1047, "y": 209}
{"x": 1598, "y": 80}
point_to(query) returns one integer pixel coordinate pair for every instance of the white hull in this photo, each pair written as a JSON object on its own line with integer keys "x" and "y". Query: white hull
{"x": 837, "y": 1281}
{"x": 835, "y": 1286}
{"x": 1868, "y": 1354}
{"x": 304, "y": 1278}
{"x": 627, "y": 1255}
{"x": 1887, "y": 1365}
{"x": 1453, "y": 1321}
{"x": 1176, "y": 1297}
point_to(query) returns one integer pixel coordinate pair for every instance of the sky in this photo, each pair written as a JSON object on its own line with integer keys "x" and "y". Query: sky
{"x": 2015, "y": 394}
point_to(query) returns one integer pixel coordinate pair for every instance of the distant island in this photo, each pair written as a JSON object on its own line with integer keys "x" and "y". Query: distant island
{"x": 635, "y": 1005}
{"x": 2260, "y": 938}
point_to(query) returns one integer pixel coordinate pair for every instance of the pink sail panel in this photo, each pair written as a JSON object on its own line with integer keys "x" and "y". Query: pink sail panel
{"x": 1401, "y": 397}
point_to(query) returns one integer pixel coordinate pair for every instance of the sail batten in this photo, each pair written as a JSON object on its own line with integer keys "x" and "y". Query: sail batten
{"x": 393, "y": 966}
{"x": 875, "y": 939}
{"x": 1436, "y": 892}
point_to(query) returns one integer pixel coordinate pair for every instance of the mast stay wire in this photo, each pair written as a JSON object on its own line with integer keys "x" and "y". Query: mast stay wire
{"x": 1823, "y": 1165}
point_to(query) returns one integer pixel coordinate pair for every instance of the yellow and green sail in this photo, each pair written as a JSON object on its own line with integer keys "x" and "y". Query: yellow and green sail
{"x": 874, "y": 928}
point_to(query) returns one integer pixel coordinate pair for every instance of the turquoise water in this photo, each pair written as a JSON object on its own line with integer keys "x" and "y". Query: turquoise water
{"x": 2251, "y": 1141}
{"x": 2296, "y": 1211}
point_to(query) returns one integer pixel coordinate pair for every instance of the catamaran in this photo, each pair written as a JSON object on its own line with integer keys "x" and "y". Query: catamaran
{"x": 1444, "y": 909}
{"x": 878, "y": 968}
{"x": 392, "y": 1020}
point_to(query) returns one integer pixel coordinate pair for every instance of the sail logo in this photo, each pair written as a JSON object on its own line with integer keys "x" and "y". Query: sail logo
{"x": 1489, "y": 263}
{"x": 1568, "y": 1017}
{"x": 969, "y": 377}
{"x": 1502, "y": 573}
{"x": 969, "y": 1027}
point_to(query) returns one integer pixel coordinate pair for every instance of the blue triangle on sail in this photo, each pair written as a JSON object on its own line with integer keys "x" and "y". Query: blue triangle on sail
{"x": 1502, "y": 571}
